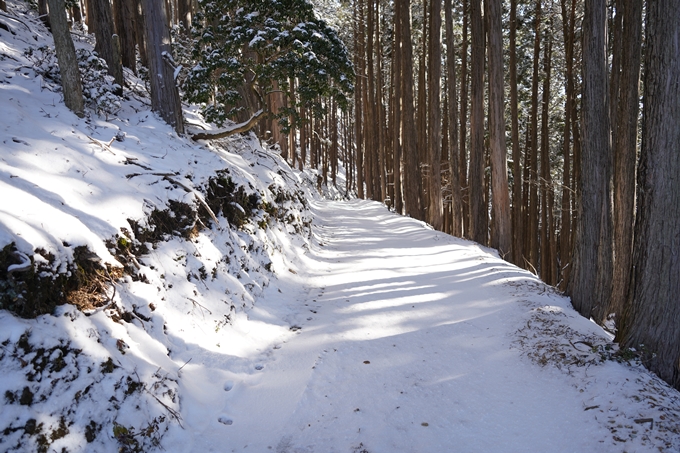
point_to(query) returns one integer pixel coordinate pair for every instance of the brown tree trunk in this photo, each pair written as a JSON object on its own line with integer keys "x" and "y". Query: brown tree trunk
{"x": 164, "y": 94}
{"x": 478, "y": 209}
{"x": 66, "y": 55}
{"x": 410, "y": 150}
{"x": 380, "y": 110}
{"x": 531, "y": 173}
{"x": 590, "y": 286}
{"x": 185, "y": 14}
{"x": 501, "y": 237}
{"x": 435, "y": 117}
{"x": 547, "y": 197}
{"x": 369, "y": 101}
{"x": 421, "y": 116}
{"x": 625, "y": 152}
{"x": 516, "y": 153}
{"x": 125, "y": 28}
{"x": 104, "y": 30}
{"x": 452, "y": 116}
{"x": 358, "y": 94}
{"x": 44, "y": 14}
{"x": 463, "y": 158}
{"x": 397, "y": 127}
{"x": 565, "y": 223}
{"x": 651, "y": 315}
{"x": 615, "y": 76}
{"x": 140, "y": 32}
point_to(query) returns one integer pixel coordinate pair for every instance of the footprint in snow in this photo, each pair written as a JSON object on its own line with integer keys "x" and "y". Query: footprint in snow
{"x": 225, "y": 420}
{"x": 228, "y": 386}
{"x": 259, "y": 367}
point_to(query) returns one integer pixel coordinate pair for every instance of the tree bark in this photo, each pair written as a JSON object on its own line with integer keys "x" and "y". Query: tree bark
{"x": 478, "y": 210}
{"x": 125, "y": 28}
{"x": 652, "y": 313}
{"x": 410, "y": 150}
{"x": 565, "y": 222}
{"x": 185, "y": 14}
{"x": 66, "y": 55}
{"x": 397, "y": 128}
{"x": 435, "y": 124}
{"x": 358, "y": 93}
{"x": 44, "y": 14}
{"x": 531, "y": 174}
{"x": 516, "y": 153}
{"x": 501, "y": 238}
{"x": 102, "y": 15}
{"x": 625, "y": 152}
{"x": 463, "y": 158}
{"x": 547, "y": 259}
{"x": 590, "y": 286}
{"x": 456, "y": 196}
{"x": 380, "y": 109}
{"x": 164, "y": 94}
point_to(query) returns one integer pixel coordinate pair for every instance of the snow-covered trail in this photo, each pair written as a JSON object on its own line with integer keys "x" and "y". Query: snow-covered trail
{"x": 399, "y": 341}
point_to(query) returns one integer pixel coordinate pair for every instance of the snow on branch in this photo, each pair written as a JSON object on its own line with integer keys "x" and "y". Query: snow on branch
{"x": 235, "y": 129}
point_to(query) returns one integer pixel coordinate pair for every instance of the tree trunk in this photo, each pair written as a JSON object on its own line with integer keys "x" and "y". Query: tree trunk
{"x": 164, "y": 94}
{"x": 185, "y": 14}
{"x": 478, "y": 210}
{"x": 369, "y": 101}
{"x": 45, "y": 15}
{"x": 358, "y": 93}
{"x": 501, "y": 238}
{"x": 125, "y": 28}
{"x": 463, "y": 158}
{"x": 380, "y": 109}
{"x": 547, "y": 199}
{"x": 565, "y": 223}
{"x": 410, "y": 150}
{"x": 625, "y": 152}
{"x": 454, "y": 164}
{"x": 615, "y": 76}
{"x": 516, "y": 153}
{"x": 652, "y": 312}
{"x": 421, "y": 116}
{"x": 435, "y": 124}
{"x": 66, "y": 55}
{"x": 102, "y": 15}
{"x": 397, "y": 128}
{"x": 531, "y": 228}
{"x": 590, "y": 286}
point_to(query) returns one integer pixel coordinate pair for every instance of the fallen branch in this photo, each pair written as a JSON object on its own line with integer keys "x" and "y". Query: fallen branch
{"x": 103, "y": 145}
{"x": 237, "y": 128}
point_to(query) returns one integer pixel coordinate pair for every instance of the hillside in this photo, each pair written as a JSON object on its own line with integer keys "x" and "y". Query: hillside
{"x": 216, "y": 302}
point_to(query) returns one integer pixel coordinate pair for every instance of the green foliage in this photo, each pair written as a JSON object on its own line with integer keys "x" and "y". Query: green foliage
{"x": 258, "y": 47}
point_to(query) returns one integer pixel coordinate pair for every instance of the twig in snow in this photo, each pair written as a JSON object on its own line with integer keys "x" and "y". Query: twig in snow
{"x": 645, "y": 420}
{"x": 185, "y": 364}
{"x": 103, "y": 145}
{"x": 200, "y": 306}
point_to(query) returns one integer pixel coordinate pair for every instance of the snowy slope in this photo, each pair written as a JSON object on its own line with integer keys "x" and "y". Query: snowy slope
{"x": 316, "y": 326}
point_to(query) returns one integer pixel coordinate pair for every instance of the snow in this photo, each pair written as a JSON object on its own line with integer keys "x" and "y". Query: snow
{"x": 366, "y": 332}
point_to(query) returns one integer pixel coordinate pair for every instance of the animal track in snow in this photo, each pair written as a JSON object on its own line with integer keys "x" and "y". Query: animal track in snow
{"x": 259, "y": 367}
{"x": 228, "y": 386}
{"x": 225, "y": 420}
